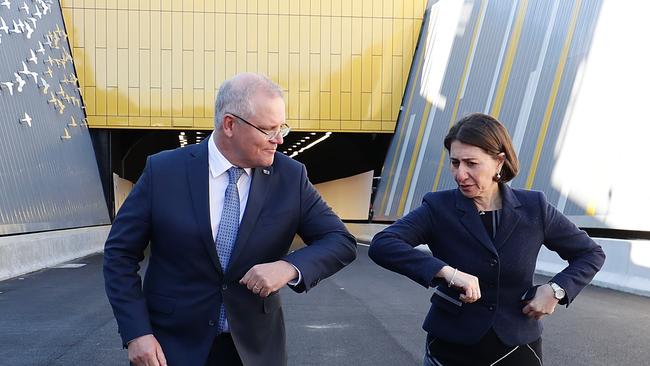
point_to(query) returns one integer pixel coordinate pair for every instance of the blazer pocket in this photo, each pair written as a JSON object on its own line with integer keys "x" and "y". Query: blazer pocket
{"x": 161, "y": 304}
{"x": 447, "y": 300}
{"x": 272, "y": 303}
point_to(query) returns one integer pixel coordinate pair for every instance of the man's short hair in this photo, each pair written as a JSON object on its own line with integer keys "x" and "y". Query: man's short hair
{"x": 235, "y": 95}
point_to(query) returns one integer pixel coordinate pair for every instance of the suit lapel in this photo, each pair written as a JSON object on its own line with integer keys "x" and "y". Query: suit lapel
{"x": 256, "y": 196}
{"x": 197, "y": 175}
{"x": 509, "y": 216}
{"x": 469, "y": 218}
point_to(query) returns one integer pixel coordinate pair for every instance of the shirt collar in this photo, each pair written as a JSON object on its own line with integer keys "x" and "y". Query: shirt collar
{"x": 217, "y": 162}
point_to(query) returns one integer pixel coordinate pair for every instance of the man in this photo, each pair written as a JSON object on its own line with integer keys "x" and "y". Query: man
{"x": 220, "y": 217}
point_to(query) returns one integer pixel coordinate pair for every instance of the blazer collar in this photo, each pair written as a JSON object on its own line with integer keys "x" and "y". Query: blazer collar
{"x": 261, "y": 181}
{"x": 509, "y": 218}
{"x": 198, "y": 181}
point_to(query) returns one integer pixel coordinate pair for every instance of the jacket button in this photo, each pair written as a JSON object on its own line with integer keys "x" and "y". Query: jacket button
{"x": 491, "y": 308}
{"x": 224, "y": 287}
{"x": 211, "y": 323}
{"x": 493, "y": 263}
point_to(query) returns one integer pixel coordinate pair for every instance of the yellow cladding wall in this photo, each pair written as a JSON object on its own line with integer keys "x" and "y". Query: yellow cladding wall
{"x": 156, "y": 64}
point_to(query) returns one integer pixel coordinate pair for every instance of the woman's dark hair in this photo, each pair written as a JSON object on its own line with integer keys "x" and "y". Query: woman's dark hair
{"x": 486, "y": 132}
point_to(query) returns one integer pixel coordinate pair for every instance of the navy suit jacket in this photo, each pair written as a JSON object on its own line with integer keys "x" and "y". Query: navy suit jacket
{"x": 449, "y": 223}
{"x": 184, "y": 286}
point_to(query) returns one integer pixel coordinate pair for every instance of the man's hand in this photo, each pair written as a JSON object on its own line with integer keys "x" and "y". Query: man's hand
{"x": 146, "y": 351}
{"x": 266, "y": 278}
{"x": 542, "y": 304}
{"x": 464, "y": 281}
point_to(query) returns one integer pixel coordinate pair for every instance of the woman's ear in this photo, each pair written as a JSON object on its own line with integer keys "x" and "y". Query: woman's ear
{"x": 501, "y": 158}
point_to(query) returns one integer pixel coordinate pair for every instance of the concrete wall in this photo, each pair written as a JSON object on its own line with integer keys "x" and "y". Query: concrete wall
{"x": 349, "y": 197}
{"x": 20, "y": 254}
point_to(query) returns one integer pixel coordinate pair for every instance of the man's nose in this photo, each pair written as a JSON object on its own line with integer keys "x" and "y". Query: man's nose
{"x": 277, "y": 139}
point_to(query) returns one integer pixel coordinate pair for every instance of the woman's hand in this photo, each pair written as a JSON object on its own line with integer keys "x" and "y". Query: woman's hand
{"x": 464, "y": 281}
{"x": 542, "y": 304}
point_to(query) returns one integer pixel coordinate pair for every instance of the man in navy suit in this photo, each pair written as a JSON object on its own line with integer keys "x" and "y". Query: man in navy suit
{"x": 220, "y": 217}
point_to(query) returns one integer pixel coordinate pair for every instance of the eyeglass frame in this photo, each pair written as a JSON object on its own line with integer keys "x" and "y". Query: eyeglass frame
{"x": 282, "y": 131}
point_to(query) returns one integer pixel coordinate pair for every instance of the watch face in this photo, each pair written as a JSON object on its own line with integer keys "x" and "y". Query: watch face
{"x": 558, "y": 291}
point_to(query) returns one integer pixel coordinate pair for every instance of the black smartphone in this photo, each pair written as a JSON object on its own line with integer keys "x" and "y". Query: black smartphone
{"x": 529, "y": 294}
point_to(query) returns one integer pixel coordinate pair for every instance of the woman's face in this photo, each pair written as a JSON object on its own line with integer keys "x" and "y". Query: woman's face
{"x": 474, "y": 169}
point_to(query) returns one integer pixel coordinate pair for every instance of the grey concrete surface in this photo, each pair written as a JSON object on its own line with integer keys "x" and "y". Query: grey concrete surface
{"x": 20, "y": 254}
{"x": 364, "y": 315}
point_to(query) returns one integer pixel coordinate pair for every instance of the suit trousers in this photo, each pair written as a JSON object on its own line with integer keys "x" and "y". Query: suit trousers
{"x": 223, "y": 352}
{"x": 489, "y": 351}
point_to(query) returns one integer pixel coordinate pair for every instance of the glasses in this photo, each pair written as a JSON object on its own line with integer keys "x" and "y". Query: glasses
{"x": 282, "y": 131}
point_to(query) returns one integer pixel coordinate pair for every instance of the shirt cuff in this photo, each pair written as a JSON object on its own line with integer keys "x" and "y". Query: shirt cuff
{"x": 296, "y": 281}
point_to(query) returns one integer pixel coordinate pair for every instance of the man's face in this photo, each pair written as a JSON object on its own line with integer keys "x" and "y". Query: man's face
{"x": 252, "y": 147}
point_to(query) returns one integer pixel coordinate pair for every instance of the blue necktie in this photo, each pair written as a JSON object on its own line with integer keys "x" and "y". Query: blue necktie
{"x": 227, "y": 231}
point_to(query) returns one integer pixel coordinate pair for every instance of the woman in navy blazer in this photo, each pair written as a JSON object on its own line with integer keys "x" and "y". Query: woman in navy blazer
{"x": 485, "y": 238}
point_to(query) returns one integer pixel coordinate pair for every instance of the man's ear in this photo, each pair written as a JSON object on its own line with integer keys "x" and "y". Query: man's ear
{"x": 227, "y": 125}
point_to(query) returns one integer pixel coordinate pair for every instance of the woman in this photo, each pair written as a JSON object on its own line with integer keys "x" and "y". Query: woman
{"x": 485, "y": 238}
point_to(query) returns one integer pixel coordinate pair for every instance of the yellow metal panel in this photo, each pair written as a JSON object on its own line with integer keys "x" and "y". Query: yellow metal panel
{"x": 231, "y": 64}
{"x": 283, "y": 70}
{"x": 162, "y": 122}
{"x": 336, "y": 8}
{"x": 199, "y": 67}
{"x": 145, "y": 69}
{"x": 388, "y": 126}
{"x": 274, "y": 7}
{"x": 305, "y": 7}
{"x": 351, "y": 125}
{"x": 123, "y": 83}
{"x": 376, "y": 90}
{"x": 314, "y": 32}
{"x": 134, "y": 67}
{"x": 156, "y": 102}
{"x": 184, "y": 6}
{"x": 182, "y": 122}
{"x": 314, "y": 104}
{"x": 209, "y": 68}
{"x": 386, "y": 73}
{"x": 100, "y": 69}
{"x": 346, "y": 102}
{"x": 293, "y": 103}
{"x": 304, "y": 105}
{"x": 188, "y": 83}
{"x": 388, "y": 8}
{"x": 330, "y": 125}
{"x": 177, "y": 67}
{"x": 231, "y": 37}
{"x": 209, "y": 33}
{"x": 386, "y": 107}
{"x": 145, "y": 30}
{"x": 167, "y": 36}
{"x": 377, "y": 8}
{"x": 335, "y": 35}
{"x": 408, "y": 9}
{"x": 371, "y": 125}
{"x": 111, "y": 101}
{"x": 366, "y": 72}
{"x": 356, "y": 88}
{"x": 187, "y": 31}
{"x": 251, "y": 61}
{"x": 177, "y": 102}
{"x": 262, "y": 44}
{"x": 199, "y": 5}
{"x": 134, "y": 102}
{"x": 166, "y": 5}
{"x": 273, "y": 33}
{"x": 314, "y": 73}
{"x": 310, "y": 124}
{"x": 80, "y": 65}
{"x": 219, "y": 5}
{"x": 272, "y": 69}
{"x": 241, "y": 43}
{"x": 198, "y": 103}
{"x": 251, "y": 32}
{"x": 290, "y": 7}
{"x": 100, "y": 28}
{"x": 78, "y": 20}
{"x": 145, "y": 102}
{"x": 357, "y": 8}
{"x": 366, "y": 106}
{"x": 324, "y": 105}
{"x": 398, "y": 86}
{"x": 117, "y": 121}
{"x": 294, "y": 35}
{"x": 397, "y": 31}
{"x": 97, "y": 121}
{"x": 166, "y": 60}
{"x": 139, "y": 121}
{"x": 357, "y": 35}
{"x": 219, "y": 44}
{"x": 316, "y": 7}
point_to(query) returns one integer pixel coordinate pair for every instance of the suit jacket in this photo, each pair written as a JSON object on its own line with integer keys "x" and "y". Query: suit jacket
{"x": 449, "y": 223}
{"x": 184, "y": 286}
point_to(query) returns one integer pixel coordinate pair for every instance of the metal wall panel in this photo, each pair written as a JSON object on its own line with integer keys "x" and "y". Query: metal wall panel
{"x": 517, "y": 60}
{"x": 48, "y": 172}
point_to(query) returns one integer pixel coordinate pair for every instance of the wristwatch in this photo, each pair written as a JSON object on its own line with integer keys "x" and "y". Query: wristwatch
{"x": 558, "y": 292}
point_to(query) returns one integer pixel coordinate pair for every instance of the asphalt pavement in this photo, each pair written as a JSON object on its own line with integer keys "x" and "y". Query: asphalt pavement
{"x": 363, "y": 315}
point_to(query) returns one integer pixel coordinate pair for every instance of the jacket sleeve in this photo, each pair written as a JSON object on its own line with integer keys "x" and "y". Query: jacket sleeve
{"x": 394, "y": 247}
{"x": 584, "y": 255}
{"x": 330, "y": 246}
{"x": 123, "y": 251}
